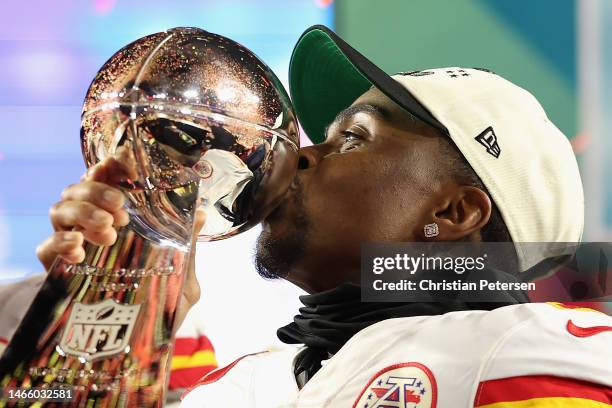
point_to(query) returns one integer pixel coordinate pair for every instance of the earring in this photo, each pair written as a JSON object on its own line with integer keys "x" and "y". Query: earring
{"x": 431, "y": 230}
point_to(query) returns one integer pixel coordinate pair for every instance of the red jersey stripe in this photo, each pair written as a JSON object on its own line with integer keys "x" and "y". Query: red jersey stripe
{"x": 539, "y": 386}
{"x": 189, "y": 345}
{"x": 555, "y": 402}
{"x": 186, "y": 377}
{"x": 216, "y": 375}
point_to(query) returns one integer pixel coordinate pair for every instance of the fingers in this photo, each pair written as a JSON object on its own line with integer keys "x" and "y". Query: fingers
{"x": 191, "y": 287}
{"x": 66, "y": 215}
{"x": 102, "y": 195}
{"x": 91, "y": 205}
{"x": 115, "y": 169}
{"x": 198, "y": 224}
{"x": 105, "y": 238}
{"x": 89, "y": 210}
{"x": 66, "y": 244}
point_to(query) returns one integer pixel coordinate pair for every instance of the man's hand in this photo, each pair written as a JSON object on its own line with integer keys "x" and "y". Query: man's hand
{"x": 191, "y": 287}
{"x": 90, "y": 210}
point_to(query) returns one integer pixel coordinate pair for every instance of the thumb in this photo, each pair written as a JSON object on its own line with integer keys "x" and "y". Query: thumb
{"x": 191, "y": 287}
{"x": 114, "y": 169}
{"x": 198, "y": 224}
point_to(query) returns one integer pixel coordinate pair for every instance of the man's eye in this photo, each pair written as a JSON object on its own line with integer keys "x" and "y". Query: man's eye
{"x": 350, "y": 141}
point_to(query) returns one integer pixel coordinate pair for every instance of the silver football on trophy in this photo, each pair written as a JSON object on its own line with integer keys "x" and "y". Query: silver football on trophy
{"x": 203, "y": 122}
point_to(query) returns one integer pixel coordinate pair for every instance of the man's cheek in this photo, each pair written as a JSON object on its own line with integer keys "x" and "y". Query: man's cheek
{"x": 341, "y": 211}
{"x": 347, "y": 181}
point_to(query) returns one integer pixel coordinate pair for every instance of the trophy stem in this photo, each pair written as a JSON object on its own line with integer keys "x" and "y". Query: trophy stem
{"x": 102, "y": 329}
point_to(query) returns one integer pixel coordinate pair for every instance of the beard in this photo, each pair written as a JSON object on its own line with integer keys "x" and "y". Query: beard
{"x": 275, "y": 256}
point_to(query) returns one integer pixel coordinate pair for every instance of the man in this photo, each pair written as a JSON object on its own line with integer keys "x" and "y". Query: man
{"x": 451, "y": 154}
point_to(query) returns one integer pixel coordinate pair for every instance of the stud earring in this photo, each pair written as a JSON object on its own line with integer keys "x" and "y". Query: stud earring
{"x": 431, "y": 230}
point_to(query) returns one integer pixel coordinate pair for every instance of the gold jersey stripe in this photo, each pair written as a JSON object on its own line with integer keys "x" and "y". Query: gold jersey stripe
{"x": 550, "y": 402}
{"x": 198, "y": 359}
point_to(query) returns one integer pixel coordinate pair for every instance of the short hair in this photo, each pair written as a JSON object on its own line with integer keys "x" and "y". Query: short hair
{"x": 461, "y": 172}
{"x": 495, "y": 230}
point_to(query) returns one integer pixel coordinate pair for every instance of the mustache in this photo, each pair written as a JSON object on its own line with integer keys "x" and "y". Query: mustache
{"x": 297, "y": 187}
{"x": 274, "y": 257}
{"x": 302, "y": 222}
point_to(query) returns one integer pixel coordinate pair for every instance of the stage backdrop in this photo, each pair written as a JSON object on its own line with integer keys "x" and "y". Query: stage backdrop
{"x": 49, "y": 53}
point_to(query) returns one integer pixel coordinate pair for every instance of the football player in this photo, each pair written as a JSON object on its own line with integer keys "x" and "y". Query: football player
{"x": 448, "y": 154}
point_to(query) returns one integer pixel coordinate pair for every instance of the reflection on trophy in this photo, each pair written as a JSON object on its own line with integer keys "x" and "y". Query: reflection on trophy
{"x": 196, "y": 121}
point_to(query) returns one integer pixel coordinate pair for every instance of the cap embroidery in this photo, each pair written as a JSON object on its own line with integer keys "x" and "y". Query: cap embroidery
{"x": 457, "y": 73}
{"x": 416, "y": 73}
{"x": 489, "y": 140}
{"x": 484, "y": 70}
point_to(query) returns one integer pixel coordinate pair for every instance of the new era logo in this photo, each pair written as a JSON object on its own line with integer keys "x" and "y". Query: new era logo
{"x": 489, "y": 140}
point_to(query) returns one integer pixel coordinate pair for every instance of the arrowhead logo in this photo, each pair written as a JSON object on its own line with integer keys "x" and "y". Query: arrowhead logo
{"x": 404, "y": 385}
{"x": 99, "y": 330}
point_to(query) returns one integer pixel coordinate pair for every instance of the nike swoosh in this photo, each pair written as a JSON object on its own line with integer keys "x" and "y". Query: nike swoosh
{"x": 586, "y": 331}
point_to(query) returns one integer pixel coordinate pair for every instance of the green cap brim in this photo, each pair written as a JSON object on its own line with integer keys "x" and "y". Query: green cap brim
{"x": 322, "y": 82}
{"x": 326, "y": 75}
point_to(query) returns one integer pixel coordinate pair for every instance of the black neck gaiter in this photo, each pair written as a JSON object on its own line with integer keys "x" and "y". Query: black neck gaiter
{"x": 330, "y": 318}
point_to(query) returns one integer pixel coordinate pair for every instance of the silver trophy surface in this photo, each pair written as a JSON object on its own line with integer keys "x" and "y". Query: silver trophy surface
{"x": 194, "y": 120}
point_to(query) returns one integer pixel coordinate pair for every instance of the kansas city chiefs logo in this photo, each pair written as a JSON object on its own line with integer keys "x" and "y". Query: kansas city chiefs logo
{"x": 99, "y": 330}
{"x": 405, "y": 385}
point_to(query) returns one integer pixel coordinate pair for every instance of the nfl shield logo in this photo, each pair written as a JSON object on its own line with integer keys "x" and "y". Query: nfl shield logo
{"x": 99, "y": 330}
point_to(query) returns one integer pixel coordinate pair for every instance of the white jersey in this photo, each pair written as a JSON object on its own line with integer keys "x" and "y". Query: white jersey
{"x": 528, "y": 355}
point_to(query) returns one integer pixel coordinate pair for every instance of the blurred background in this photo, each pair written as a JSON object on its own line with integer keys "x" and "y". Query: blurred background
{"x": 560, "y": 50}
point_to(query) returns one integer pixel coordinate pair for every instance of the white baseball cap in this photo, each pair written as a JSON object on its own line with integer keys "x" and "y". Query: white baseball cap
{"x": 525, "y": 162}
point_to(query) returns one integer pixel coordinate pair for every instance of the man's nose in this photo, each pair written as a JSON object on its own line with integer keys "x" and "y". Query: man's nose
{"x": 309, "y": 157}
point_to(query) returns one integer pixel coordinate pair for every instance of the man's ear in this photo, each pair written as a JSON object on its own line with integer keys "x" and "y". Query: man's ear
{"x": 461, "y": 211}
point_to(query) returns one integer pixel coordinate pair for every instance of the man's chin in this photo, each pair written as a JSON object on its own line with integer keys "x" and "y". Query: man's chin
{"x": 271, "y": 258}
{"x": 280, "y": 245}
